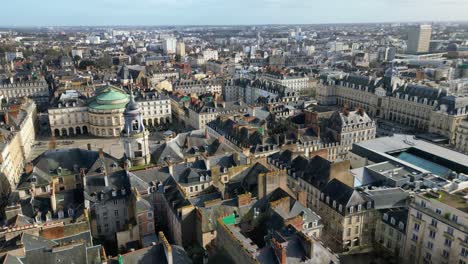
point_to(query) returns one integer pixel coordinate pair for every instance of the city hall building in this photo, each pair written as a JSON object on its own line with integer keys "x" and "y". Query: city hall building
{"x": 102, "y": 114}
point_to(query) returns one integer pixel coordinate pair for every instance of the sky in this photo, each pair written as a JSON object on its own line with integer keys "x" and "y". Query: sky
{"x": 225, "y": 12}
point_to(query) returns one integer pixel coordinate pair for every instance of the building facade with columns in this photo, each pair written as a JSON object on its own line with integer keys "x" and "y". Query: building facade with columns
{"x": 102, "y": 114}
{"x": 416, "y": 107}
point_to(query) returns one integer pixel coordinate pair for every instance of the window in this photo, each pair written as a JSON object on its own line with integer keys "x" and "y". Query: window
{"x": 150, "y": 215}
{"x": 434, "y": 222}
{"x": 455, "y": 218}
{"x": 117, "y": 225}
{"x": 432, "y": 234}
{"x": 358, "y": 219}
{"x": 350, "y": 220}
{"x": 423, "y": 203}
{"x": 351, "y": 209}
{"x": 464, "y": 252}
{"x": 348, "y": 232}
{"x": 439, "y": 211}
{"x": 398, "y": 238}
{"x": 390, "y": 231}
{"x": 430, "y": 245}
{"x": 450, "y": 230}
{"x": 392, "y": 221}
{"x": 448, "y": 242}
{"x": 415, "y": 238}
{"x": 401, "y": 226}
{"x": 416, "y": 226}
{"x": 359, "y": 207}
{"x": 385, "y": 216}
{"x": 116, "y": 202}
{"x": 418, "y": 215}
{"x": 116, "y": 213}
{"x": 356, "y": 230}
{"x": 445, "y": 253}
{"x": 428, "y": 256}
{"x": 369, "y": 205}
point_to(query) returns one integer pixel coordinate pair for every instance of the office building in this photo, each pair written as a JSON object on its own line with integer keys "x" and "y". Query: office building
{"x": 419, "y": 38}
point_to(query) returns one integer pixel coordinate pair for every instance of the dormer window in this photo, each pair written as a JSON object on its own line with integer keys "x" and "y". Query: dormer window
{"x": 359, "y": 208}
{"x": 385, "y": 216}
{"x": 334, "y": 204}
{"x": 351, "y": 209}
{"x": 401, "y": 226}
{"x": 392, "y": 221}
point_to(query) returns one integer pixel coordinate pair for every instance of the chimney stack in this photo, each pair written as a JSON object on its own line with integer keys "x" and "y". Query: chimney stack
{"x": 280, "y": 251}
{"x": 167, "y": 248}
{"x": 29, "y": 168}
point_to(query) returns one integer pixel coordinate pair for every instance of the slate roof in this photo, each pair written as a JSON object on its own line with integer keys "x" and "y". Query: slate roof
{"x": 388, "y": 197}
{"x": 153, "y": 254}
{"x": 188, "y": 144}
{"x": 315, "y": 171}
{"x": 343, "y": 195}
{"x": 246, "y": 180}
{"x": 72, "y": 249}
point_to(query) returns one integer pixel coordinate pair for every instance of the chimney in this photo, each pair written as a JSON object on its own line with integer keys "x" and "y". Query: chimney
{"x": 244, "y": 199}
{"x": 170, "y": 166}
{"x": 89, "y": 146}
{"x": 7, "y": 119}
{"x": 207, "y": 163}
{"x": 101, "y": 153}
{"x": 280, "y": 251}
{"x": 28, "y": 168}
{"x": 361, "y": 111}
{"x": 53, "y": 201}
{"x": 302, "y": 198}
{"x": 167, "y": 248}
{"x": 83, "y": 176}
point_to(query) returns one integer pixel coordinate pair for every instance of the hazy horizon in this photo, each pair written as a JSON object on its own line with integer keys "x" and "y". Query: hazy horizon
{"x": 223, "y": 12}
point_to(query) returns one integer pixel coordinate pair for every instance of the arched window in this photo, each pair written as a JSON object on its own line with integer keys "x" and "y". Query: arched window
{"x": 135, "y": 125}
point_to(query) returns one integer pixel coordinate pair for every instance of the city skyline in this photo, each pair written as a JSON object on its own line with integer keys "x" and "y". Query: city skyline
{"x": 210, "y": 12}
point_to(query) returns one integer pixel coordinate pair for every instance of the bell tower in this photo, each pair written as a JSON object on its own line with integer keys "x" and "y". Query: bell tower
{"x": 134, "y": 135}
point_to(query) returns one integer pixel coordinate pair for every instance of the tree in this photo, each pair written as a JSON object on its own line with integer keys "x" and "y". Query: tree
{"x": 76, "y": 59}
{"x": 104, "y": 62}
{"x": 85, "y": 63}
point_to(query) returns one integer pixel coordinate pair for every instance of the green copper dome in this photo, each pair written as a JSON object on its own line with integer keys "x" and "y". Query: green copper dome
{"x": 109, "y": 99}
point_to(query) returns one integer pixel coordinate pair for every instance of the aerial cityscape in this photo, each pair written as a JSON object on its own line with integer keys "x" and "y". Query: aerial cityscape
{"x": 272, "y": 132}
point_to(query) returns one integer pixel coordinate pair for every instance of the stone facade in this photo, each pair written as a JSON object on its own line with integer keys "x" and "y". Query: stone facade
{"x": 389, "y": 98}
{"x": 104, "y": 118}
{"x": 436, "y": 231}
